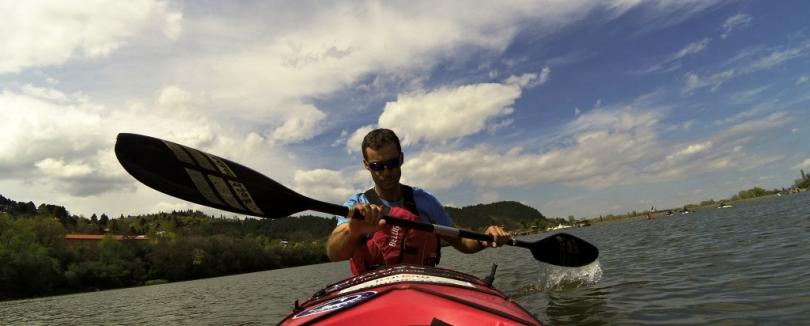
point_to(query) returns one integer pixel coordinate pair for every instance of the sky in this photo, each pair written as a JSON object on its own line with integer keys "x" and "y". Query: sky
{"x": 576, "y": 108}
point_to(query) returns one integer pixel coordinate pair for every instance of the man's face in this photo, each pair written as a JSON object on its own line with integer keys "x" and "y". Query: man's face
{"x": 387, "y": 178}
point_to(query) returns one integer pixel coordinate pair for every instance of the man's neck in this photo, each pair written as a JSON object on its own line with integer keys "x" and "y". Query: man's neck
{"x": 391, "y": 195}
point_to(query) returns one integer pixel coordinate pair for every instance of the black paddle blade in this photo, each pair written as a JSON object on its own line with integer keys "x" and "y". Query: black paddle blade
{"x": 563, "y": 249}
{"x": 205, "y": 179}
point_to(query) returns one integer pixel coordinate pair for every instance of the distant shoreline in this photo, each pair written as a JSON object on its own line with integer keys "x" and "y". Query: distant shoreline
{"x": 676, "y": 211}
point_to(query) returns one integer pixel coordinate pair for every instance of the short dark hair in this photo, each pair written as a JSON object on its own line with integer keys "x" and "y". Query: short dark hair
{"x": 378, "y": 138}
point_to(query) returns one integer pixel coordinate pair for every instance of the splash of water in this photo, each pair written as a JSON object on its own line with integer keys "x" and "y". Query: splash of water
{"x": 557, "y": 277}
{"x": 552, "y": 277}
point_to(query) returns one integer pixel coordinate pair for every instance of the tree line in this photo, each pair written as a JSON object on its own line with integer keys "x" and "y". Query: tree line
{"x": 181, "y": 245}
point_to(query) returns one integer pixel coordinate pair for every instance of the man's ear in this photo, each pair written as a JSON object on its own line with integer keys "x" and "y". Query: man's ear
{"x": 365, "y": 165}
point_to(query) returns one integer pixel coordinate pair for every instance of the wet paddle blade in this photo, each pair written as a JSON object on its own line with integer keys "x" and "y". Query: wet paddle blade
{"x": 563, "y": 249}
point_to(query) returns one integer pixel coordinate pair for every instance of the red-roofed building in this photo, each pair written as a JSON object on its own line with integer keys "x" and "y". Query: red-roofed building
{"x": 92, "y": 239}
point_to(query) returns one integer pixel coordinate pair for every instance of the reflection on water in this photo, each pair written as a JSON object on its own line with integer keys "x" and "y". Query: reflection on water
{"x": 580, "y": 306}
{"x": 742, "y": 265}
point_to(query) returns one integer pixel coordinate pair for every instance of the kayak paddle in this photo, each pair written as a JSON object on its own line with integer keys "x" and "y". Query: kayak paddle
{"x": 209, "y": 180}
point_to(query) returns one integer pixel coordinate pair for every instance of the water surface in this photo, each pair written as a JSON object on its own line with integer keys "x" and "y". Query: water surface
{"x": 749, "y": 264}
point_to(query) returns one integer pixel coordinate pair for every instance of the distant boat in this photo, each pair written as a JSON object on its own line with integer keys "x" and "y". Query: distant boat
{"x": 724, "y": 206}
{"x": 558, "y": 227}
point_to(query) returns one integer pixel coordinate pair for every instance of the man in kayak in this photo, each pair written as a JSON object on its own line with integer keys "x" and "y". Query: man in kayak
{"x": 369, "y": 243}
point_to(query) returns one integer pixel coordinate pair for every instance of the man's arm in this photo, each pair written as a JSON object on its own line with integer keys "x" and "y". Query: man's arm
{"x": 341, "y": 243}
{"x": 469, "y": 246}
{"x": 346, "y": 237}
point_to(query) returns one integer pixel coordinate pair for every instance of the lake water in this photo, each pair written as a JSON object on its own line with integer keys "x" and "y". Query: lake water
{"x": 749, "y": 264}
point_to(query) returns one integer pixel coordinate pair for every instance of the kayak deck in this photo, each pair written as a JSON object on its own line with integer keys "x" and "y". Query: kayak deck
{"x": 411, "y": 295}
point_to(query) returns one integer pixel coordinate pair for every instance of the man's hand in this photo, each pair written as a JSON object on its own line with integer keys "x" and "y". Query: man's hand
{"x": 499, "y": 234}
{"x": 371, "y": 222}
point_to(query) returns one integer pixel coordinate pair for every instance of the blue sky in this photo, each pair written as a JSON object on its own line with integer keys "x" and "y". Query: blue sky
{"x": 573, "y": 107}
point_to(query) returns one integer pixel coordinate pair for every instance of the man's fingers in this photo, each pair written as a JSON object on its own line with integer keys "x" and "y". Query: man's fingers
{"x": 499, "y": 235}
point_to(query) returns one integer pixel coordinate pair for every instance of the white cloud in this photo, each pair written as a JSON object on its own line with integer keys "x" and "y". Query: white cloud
{"x": 692, "y": 83}
{"x": 224, "y": 82}
{"x": 58, "y": 169}
{"x": 671, "y": 61}
{"x": 334, "y": 47}
{"x": 544, "y": 75}
{"x": 340, "y": 140}
{"x": 758, "y": 110}
{"x": 52, "y": 32}
{"x": 802, "y": 79}
{"x": 49, "y": 94}
{"x": 748, "y": 95}
{"x": 600, "y": 143}
{"x": 688, "y": 151}
{"x": 736, "y": 22}
{"x": 37, "y": 127}
{"x": 686, "y": 125}
{"x": 355, "y": 141}
{"x": 603, "y": 148}
{"x": 329, "y": 185}
{"x": 748, "y": 61}
{"x": 315, "y": 51}
{"x": 777, "y": 57}
{"x": 692, "y": 48}
{"x": 302, "y": 123}
{"x": 448, "y": 113}
{"x": 65, "y": 142}
{"x": 174, "y": 98}
{"x": 491, "y": 129}
{"x": 530, "y": 80}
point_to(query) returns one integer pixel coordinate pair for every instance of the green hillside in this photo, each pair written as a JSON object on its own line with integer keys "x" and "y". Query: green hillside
{"x": 511, "y": 214}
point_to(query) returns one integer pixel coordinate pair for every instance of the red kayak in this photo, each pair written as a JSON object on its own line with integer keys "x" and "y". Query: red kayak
{"x": 410, "y": 295}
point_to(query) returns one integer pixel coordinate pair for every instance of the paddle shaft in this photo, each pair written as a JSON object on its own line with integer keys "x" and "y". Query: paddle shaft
{"x": 559, "y": 249}
{"x": 441, "y": 230}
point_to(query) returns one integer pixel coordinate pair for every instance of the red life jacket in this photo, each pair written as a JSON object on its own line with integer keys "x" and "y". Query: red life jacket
{"x": 395, "y": 244}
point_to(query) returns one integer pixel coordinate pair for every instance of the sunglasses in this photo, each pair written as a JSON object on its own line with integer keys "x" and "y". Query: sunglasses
{"x": 379, "y": 166}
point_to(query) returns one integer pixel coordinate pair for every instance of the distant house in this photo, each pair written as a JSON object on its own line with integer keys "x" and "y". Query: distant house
{"x": 580, "y": 224}
{"x": 75, "y": 239}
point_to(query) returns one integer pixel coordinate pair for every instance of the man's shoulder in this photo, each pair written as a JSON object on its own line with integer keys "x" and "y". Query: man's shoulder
{"x": 420, "y": 194}
{"x": 431, "y": 207}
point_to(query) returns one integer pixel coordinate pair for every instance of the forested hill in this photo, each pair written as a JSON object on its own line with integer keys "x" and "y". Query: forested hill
{"x": 511, "y": 214}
